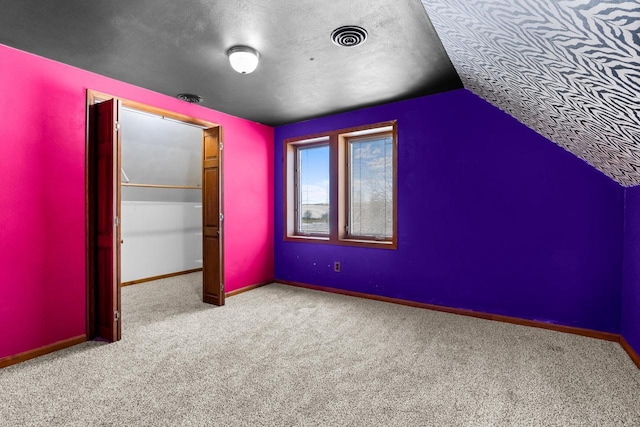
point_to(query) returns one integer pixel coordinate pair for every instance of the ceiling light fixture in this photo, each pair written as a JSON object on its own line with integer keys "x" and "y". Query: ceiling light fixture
{"x": 243, "y": 59}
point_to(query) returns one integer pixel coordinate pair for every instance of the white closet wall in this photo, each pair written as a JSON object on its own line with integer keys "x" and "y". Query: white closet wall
{"x": 161, "y": 227}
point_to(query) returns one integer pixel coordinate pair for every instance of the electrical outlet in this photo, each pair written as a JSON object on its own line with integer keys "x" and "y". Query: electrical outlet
{"x": 336, "y": 266}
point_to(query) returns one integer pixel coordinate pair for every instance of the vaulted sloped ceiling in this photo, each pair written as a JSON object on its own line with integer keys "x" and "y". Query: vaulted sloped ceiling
{"x": 570, "y": 70}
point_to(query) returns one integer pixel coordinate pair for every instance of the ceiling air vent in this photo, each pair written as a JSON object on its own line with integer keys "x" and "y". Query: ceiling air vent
{"x": 189, "y": 97}
{"x": 349, "y": 36}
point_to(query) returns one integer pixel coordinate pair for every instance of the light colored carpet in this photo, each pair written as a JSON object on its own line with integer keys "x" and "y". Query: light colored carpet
{"x": 283, "y": 356}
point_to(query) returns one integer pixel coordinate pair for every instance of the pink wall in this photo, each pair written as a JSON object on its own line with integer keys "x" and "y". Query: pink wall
{"x": 42, "y": 209}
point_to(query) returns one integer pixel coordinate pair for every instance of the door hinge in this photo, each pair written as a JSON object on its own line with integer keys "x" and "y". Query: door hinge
{"x": 221, "y": 216}
{"x": 221, "y": 145}
{"x": 221, "y": 287}
{"x": 117, "y": 126}
{"x": 116, "y": 315}
{"x": 116, "y": 221}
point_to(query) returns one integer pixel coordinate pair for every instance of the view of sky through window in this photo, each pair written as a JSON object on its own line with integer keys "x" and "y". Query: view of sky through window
{"x": 371, "y": 186}
{"x": 313, "y": 196}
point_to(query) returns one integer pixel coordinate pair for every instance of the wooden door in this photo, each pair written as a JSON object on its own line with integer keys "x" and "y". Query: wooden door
{"x": 107, "y": 226}
{"x": 212, "y": 285}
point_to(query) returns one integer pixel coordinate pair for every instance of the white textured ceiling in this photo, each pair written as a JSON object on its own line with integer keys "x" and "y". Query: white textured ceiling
{"x": 570, "y": 70}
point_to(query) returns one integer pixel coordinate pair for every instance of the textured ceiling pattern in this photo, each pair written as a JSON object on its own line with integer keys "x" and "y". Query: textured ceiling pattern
{"x": 570, "y": 70}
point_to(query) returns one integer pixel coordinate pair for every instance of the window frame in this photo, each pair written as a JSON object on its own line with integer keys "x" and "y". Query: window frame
{"x": 338, "y": 182}
{"x": 348, "y": 208}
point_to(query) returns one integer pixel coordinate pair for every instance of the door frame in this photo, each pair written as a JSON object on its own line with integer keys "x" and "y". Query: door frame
{"x": 94, "y": 97}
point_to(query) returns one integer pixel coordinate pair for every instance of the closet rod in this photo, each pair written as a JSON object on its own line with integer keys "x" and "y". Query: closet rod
{"x": 185, "y": 187}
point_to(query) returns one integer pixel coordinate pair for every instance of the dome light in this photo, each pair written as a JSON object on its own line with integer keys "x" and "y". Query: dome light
{"x": 243, "y": 59}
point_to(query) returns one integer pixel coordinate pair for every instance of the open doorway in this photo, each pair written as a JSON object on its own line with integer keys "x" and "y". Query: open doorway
{"x": 161, "y": 197}
{"x": 137, "y": 172}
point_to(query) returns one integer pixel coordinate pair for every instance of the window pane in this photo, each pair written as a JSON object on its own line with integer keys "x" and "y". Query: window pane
{"x": 313, "y": 190}
{"x": 371, "y": 186}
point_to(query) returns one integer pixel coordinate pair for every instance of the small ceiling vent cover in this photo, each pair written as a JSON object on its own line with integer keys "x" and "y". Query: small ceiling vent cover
{"x": 349, "y": 36}
{"x": 189, "y": 97}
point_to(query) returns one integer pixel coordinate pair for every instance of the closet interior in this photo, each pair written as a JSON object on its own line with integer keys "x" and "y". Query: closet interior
{"x": 161, "y": 196}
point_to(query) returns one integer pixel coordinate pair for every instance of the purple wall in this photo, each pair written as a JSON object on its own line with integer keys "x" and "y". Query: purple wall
{"x": 630, "y": 324}
{"x": 491, "y": 217}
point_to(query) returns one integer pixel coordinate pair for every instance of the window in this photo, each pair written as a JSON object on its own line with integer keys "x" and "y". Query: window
{"x": 312, "y": 190}
{"x": 370, "y": 186}
{"x": 341, "y": 187}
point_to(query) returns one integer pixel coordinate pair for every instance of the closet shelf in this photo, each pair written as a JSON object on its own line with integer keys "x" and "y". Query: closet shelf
{"x": 184, "y": 187}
